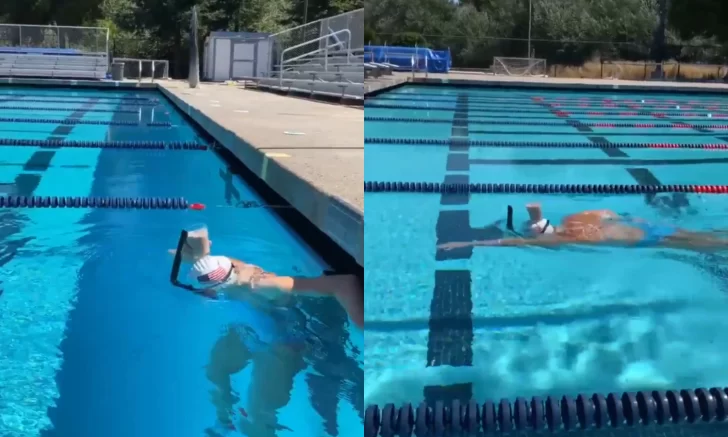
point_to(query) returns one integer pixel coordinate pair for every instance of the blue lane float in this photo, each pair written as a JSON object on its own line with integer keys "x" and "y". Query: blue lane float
{"x": 464, "y": 142}
{"x": 472, "y": 108}
{"x": 84, "y": 98}
{"x": 629, "y": 410}
{"x": 435, "y": 187}
{"x": 22, "y": 99}
{"x": 147, "y": 145}
{"x": 74, "y": 121}
{"x": 675, "y": 125}
{"x": 69, "y": 109}
{"x": 92, "y": 202}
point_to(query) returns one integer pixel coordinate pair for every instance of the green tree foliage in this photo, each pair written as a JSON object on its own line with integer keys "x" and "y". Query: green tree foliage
{"x": 159, "y": 28}
{"x": 563, "y": 31}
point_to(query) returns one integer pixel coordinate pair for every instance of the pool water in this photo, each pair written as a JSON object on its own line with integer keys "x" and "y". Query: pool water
{"x": 93, "y": 338}
{"x": 495, "y": 323}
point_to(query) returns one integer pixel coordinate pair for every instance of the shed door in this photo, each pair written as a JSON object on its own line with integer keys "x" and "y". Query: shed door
{"x": 243, "y": 56}
{"x": 221, "y": 69}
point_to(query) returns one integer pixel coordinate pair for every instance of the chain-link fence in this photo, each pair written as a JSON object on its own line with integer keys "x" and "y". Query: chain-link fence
{"x": 587, "y": 59}
{"x": 92, "y": 40}
{"x": 302, "y": 40}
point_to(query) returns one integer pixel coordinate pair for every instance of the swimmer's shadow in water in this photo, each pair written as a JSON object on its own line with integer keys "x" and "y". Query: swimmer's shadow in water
{"x": 711, "y": 264}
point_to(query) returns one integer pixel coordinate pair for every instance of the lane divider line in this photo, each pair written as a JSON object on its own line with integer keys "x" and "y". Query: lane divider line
{"x": 60, "y": 143}
{"x": 70, "y": 121}
{"x": 547, "y": 123}
{"x": 541, "y": 99}
{"x": 493, "y": 188}
{"x": 485, "y": 112}
{"x": 540, "y": 144}
{"x": 552, "y": 415}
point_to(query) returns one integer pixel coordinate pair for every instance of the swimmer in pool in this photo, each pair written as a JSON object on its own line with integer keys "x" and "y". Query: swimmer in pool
{"x": 236, "y": 279}
{"x": 605, "y": 228}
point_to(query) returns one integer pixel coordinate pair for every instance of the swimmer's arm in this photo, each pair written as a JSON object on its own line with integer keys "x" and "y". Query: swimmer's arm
{"x": 236, "y": 262}
{"x": 513, "y": 242}
{"x": 523, "y": 242}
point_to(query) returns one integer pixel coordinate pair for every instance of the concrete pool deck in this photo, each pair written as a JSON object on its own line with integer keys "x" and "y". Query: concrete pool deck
{"x": 311, "y": 153}
{"x": 484, "y": 79}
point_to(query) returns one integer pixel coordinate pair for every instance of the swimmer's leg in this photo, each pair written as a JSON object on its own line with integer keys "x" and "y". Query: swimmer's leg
{"x": 228, "y": 357}
{"x": 347, "y": 289}
{"x": 703, "y": 242}
{"x": 270, "y": 389}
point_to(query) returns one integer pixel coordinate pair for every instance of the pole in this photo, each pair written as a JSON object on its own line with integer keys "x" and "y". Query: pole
{"x": 530, "y": 6}
{"x": 305, "y": 11}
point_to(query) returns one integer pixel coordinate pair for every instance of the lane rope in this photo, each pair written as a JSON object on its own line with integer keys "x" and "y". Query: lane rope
{"x": 81, "y": 121}
{"x": 562, "y": 113}
{"x": 643, "y": 410}
{"x": 676, "y": 125}
{"x": 556, "y": 101}
{"x": 121, "y": 203}
{"x": 154, "y": 145}
{"x": 84, "y": 98}
{"x": 96, "y": 202}
{"x": 21, "y": 99}
{"x": 538, "y": 144}
{"x": 493, "y": 188}
{"x": 69, "y": 109}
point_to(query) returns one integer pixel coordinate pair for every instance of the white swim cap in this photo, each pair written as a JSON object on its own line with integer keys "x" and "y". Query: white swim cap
{"x": 543, "y": 226}
{"x": 213, "y": 271}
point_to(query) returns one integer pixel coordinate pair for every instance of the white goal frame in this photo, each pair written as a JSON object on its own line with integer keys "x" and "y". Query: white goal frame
{"x": 519, "y": 66}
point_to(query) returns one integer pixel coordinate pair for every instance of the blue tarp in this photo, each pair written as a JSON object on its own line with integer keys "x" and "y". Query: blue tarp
{"x": 437, "y": 61}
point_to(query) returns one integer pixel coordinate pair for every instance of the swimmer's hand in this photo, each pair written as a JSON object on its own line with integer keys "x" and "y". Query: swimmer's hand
{"x": 185, "y": 256}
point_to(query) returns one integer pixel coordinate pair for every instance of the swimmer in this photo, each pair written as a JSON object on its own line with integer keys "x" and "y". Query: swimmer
{"x": 604, "y": 228}
{"x": 236, "y": 279}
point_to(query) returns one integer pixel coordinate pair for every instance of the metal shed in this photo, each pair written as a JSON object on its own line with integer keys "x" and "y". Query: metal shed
{"x": 236, "y": 55}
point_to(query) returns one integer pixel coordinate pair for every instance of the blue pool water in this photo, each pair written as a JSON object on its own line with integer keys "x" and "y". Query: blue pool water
{"x": 507, "y": 322}
{"x": 93, "y": 338}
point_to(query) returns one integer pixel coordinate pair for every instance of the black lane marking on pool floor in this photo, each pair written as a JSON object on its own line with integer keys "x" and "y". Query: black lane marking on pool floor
{"x": 450, "y": 338}
{"x": 25, "y": 184}
{"x": 612, "y": 152}
{"x": 641, "y": 175}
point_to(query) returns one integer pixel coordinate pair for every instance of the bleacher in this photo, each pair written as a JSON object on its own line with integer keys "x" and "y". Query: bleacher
{"x": 53, "y": 66}
{"x": 336, "y": 75}
{"x": 53, "y": 52}
{"x": 322, "y": 58}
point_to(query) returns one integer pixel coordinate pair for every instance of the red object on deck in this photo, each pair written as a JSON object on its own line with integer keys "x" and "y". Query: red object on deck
{"x": 197, "y": 206}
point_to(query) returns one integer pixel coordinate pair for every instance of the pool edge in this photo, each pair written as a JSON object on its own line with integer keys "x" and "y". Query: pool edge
{"x": 340, "y": 221}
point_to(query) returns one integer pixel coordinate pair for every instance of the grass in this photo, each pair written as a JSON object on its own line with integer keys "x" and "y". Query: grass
{"x": 626, "y": 70}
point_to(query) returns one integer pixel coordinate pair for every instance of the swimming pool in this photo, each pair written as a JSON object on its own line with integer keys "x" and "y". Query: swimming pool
{"x": 492, "y": 323}
{"x": 93, "y": 338}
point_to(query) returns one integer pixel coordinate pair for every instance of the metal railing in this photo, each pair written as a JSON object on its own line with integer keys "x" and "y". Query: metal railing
{"x": 324, "y": 50}
{"x": 86, "y": 40}
{"x": 157, "y": 68}
{"x": 306, "y": 37}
